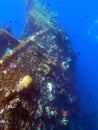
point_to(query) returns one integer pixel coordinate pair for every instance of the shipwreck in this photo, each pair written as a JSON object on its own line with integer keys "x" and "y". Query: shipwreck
{"x": 37, "y": 76}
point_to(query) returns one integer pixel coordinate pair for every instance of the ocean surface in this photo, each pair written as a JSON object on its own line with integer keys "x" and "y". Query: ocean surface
{"x": 79, "y": 18}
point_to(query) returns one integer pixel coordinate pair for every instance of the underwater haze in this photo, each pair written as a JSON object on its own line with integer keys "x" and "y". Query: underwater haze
{"x": 79, "y": 18}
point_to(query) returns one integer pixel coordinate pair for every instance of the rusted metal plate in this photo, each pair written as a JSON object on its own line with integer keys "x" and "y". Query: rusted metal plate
{"x": 6, "y": 41}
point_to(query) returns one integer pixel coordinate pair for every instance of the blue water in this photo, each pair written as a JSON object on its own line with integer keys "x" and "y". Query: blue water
{"x": 80, "y": 19}
{"x": 13, "y": 14}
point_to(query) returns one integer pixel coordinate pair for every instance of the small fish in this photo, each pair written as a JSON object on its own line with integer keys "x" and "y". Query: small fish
{"x": 90, "y": 96}
{"x": 48, "y": 4}
{"x": 80, "y": 20}
{"x": 86, "y": 16}
{"x": 16, "y": 21}
{"x": 78, "y": 53}
{"x": 10, "y": 21}
{"x": 75, "y": 36}
{"x": 85, "y": 41}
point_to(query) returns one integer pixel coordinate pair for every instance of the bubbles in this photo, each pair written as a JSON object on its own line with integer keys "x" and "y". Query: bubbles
{"x": 93, "y": 29}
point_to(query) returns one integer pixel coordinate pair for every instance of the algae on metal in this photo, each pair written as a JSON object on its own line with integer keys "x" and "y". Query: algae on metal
{"x": 37, "y": 77}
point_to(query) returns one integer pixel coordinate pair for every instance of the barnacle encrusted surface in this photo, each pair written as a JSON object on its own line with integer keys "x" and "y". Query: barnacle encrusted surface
{"x": 37, "y": 78}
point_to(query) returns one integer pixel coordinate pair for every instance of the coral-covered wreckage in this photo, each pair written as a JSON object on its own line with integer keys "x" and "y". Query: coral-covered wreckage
{"x": 37, "y": 76}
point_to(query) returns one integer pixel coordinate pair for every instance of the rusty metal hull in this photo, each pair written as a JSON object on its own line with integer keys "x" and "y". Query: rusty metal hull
{"x": 36, "y": 80}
